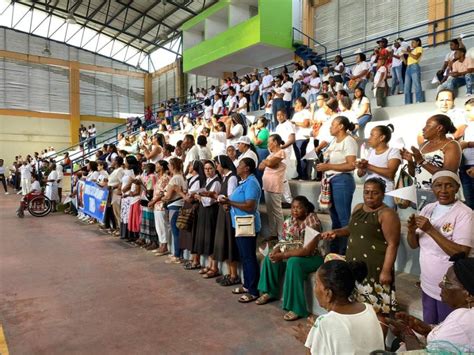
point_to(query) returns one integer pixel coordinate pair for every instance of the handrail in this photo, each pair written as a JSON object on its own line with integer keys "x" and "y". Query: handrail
{"x": 397, "y": 33}
{"x": 309, "y": 38}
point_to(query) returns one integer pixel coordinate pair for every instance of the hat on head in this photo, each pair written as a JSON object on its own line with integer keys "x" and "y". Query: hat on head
{"x": 446, "y": 173}
{"x": 244, "y": 139}
{"x": 383, "y": 39}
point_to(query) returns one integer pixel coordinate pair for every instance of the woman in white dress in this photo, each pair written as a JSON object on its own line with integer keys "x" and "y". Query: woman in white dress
{"x": 51, "y": 190}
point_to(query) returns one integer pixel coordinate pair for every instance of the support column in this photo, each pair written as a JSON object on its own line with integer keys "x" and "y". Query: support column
{"x": 438, "y": 9}
{"x": 74, "y": 102}
{"x": 148, "y": 86}
{"x": 179, "y": 82}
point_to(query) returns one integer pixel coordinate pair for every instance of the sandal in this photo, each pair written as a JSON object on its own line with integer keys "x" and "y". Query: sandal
{"x": 203, "y": 271}
{"x": 173, "y": 260}
{"x": 191, "y": 266}
{"x": 230, "y": 281}
{"x": 291, "y": 316}
{"x": 222, "y": 278}
{"x": 211, "y": 274}
{"x": 247, "y": 298}
{"x": 239, "y": 290}
{"x": 264, "y": 299}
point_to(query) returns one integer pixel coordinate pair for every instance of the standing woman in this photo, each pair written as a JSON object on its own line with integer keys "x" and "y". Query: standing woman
{"x": 154, "y": 154}
{"x": 51, "y": 190}
{"x": 374, "y": 235}
{"x": 135, "y": 215}
{"x": 207, "y": 218}
{"x": 174, "y": 202}
{"x": 225, "y": 246}
{"x": 340, "y": 156}
{"x": 162, "y": 225}
{"x": 361, "y": 109}
{"x": 274, "y": 172}
{"x": 302, "y": 123}
{"x": 148, "y": 236}
{"x": 196, "y": 182}
{"x": 413, "y": 72}
{"x": 383, "y": 161}
{"x": 338, "y": 69}
{"x": 258, "y": 134}
{"x": 244, "y": 201}
{"x": 131, "y": 167}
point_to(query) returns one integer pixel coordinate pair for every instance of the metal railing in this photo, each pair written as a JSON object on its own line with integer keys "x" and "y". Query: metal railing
{"x": 434, "y": 32}
{"x": 310, "y": 41}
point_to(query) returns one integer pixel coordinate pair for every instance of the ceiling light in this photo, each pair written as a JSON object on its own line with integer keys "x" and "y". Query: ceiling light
{"x": 46, "y": 50}
{"x": 70, "y": 19}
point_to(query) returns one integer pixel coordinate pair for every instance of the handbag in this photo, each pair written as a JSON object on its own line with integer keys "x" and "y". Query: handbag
{"x": 404, "y": 180}
{"x": 325, "y": 195}
{"x": 185, "y": 219}
{"x": 245, "y": 226}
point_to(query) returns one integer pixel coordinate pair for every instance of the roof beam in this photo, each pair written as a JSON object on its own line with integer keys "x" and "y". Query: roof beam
{"x": 185, "y": 8}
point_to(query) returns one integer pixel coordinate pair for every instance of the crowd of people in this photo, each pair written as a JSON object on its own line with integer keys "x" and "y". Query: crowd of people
{"x": 194, "y": 195}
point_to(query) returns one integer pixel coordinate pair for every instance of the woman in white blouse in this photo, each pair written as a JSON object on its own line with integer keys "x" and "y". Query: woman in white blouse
{"x": 382, "y": 161}
{"x": 340, "y": 159}
{"x": 302, "y": 123}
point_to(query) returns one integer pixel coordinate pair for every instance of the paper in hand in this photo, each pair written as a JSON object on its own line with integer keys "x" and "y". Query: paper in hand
{"x": 265, "y": 251}
{"x": 309, "y": 235}
{"x": 311, "y": 155}
{"x": 398, "y": 143}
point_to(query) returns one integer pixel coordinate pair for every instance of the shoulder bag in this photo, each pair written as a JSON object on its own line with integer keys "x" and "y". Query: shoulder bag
{"x": 245, "y": 226}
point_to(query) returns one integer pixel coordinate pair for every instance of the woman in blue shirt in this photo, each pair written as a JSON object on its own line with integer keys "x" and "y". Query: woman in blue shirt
{"x": 244, "y": 201}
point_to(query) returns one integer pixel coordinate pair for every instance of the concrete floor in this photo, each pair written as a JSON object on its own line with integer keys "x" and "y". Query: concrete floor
{"x": 66, "y": 288}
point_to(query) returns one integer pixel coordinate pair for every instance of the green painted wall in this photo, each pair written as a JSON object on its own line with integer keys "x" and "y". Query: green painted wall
{"x": 272, "y": 26}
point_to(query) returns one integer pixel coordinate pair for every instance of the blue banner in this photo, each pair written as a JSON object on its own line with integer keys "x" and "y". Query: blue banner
{"x": 92, "y": 199}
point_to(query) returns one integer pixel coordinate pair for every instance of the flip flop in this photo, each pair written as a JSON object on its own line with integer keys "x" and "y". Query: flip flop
{"x": 191, "y": 266}
{"x": 264, "y": 299}
{"x": 246, "y": 298}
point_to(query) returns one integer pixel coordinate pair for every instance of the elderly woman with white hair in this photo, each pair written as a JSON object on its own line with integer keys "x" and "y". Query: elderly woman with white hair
{"x": 441, "y": 230}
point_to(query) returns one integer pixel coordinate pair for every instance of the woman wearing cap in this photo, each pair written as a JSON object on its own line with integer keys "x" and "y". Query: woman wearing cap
{"x": 246, "y": 150}
{"x": 442, "y": 229}
{"x": 456, "y": 332}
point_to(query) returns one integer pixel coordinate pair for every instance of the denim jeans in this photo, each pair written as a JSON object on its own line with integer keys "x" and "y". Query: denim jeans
{"x": 262, "y": 154}
{"x": 397, "y": 80}
{"x": 299, "y": 148}
{"x": 454, "y": 83}
{"x": 362, "y": 83}
{"x": 467, "y": 185}
{"x": 173, "y": 216}
{"x": 413, "y": 76}
{"x": 342, "y": 191}
{"x": 312, "y": 98}
{"x": 265, "y": 97}
{"x": 363, "y": 120}
{"x": 289, "y": 108}
{"x": 277, "y": 105}
{"x": 254, "y": 101}
{"x": 296, "y": 92}
{"x": 247, "y": 247}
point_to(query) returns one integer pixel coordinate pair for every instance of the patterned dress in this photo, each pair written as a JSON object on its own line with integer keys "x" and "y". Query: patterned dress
{"x": 147, "y": 225}
{"x": 367, "y": 243}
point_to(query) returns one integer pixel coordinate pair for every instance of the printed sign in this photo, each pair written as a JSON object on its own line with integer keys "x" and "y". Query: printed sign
{"x": 92, "y": 199}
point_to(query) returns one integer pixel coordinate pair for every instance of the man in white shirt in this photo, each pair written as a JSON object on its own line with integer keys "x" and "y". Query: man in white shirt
{"x": 267, "y": 84}
{"x": 397, "y": 77}
{"x": 233, "y": 101}
{"x": 286, "y": 130}
{"x": 243, "y": 145}
{"x": 287, "y": 88}
{"x": 254, "y": 92}
{"x": 191, "y": 151}
{"x": 115, "y": 183}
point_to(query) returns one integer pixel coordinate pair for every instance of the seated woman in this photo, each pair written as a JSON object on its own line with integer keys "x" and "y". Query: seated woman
{"x": 442, "y": 229}
{"x": 457, "y": 331}
{"x": 298, "y": 260}
{"x": 350, "y": 327}
{"x": 373, "y": 234}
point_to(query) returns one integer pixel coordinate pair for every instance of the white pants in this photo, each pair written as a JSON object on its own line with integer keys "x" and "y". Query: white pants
{"x": 162, "y": 226}
{"x": 287, "y": 192}
{"x": 25, "y": 186}
{"x": 274, "y": 213}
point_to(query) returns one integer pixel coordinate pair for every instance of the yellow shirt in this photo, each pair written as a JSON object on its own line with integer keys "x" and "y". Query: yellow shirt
{"x": 417, "y": 50}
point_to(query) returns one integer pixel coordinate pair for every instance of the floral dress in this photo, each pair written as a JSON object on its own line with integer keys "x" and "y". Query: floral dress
{"x": 294, "y": 230}
{"x": 367, "y": 243}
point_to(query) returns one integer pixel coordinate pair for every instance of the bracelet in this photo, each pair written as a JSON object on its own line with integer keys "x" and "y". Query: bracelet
{"x": 421, "y": 162}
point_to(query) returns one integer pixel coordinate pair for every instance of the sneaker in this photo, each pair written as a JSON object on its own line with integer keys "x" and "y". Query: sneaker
{"x": 7, "y": 193}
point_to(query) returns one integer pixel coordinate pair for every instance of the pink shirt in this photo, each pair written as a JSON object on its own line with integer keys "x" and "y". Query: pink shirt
{"x": 457, "y": 226}
{"x": 457, "y": 328}
{"x": 273, "y": 177}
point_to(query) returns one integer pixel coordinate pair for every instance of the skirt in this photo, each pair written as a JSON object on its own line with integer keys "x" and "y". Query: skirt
{"x": 135, "y": 217}
{"x": 125, "y": 209}
{"x": 186, "y": 238}
{"x": 225, "y": 247}
{"x": 206, "y": 229}
{"x": 147, "y": 226}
